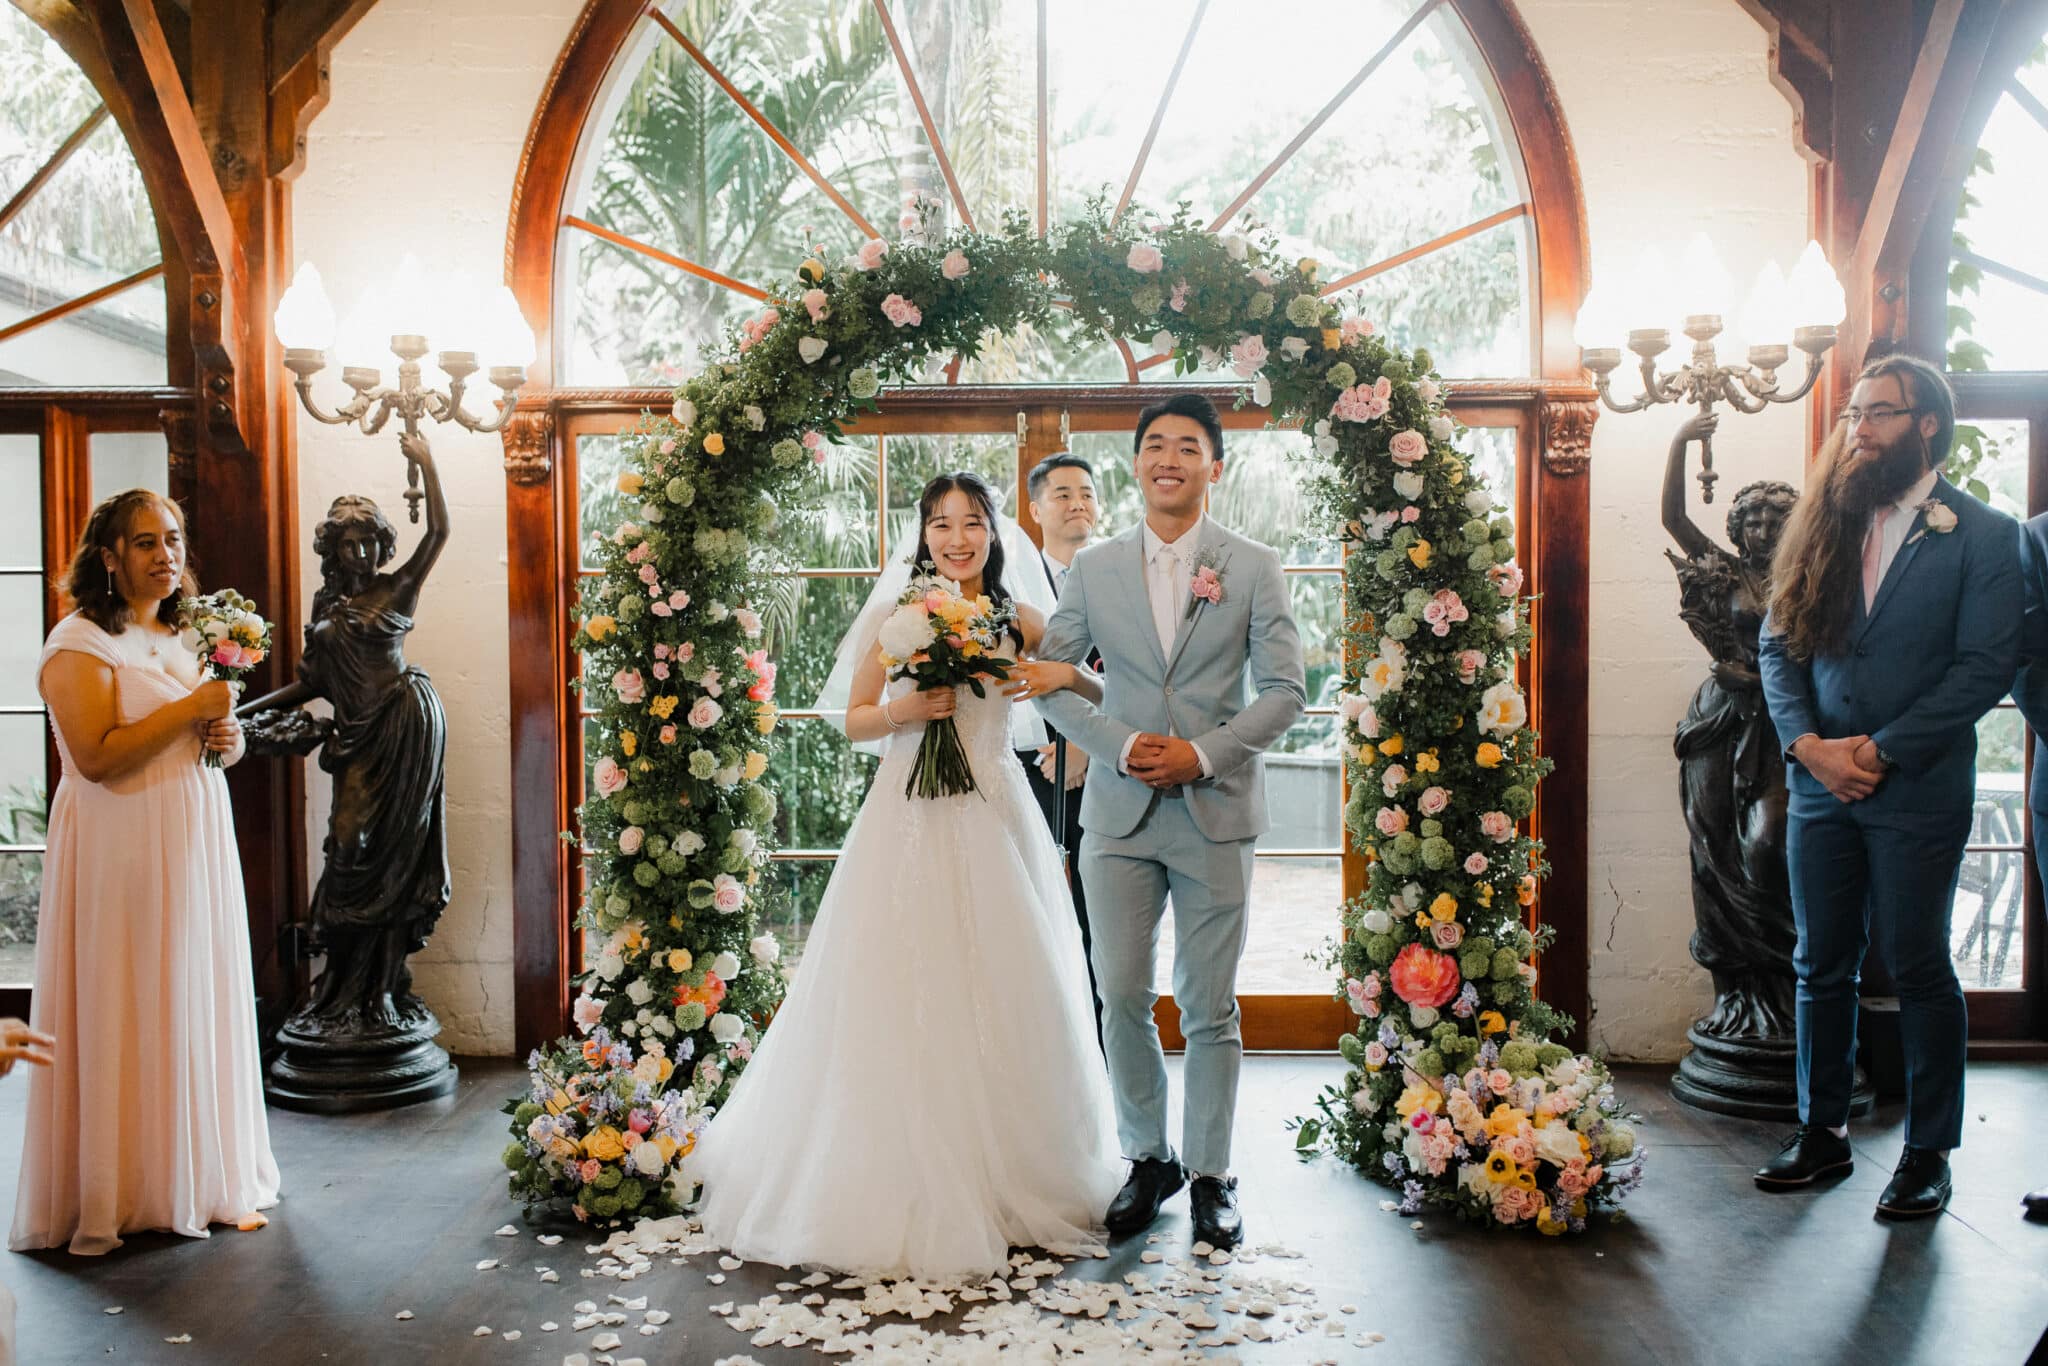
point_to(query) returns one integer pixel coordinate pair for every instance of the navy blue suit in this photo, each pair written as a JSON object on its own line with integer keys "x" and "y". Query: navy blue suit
{"x": 2030, "y": 689}
{"x": 1936, "y": 650}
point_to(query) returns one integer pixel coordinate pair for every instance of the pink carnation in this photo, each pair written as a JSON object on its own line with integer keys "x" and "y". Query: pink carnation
{"x": 901, "y": 311}
{"x": 816, "y": 304}
{"x": 757, "y": 327}
{"x": 608, "y": 776}
{"x": 661, "y": 672}
{"x": 668, "y": 735}
{"x": 1407, "y": 446}
{"x": 870, "y": 254}
{"x": 1497, "y": 826}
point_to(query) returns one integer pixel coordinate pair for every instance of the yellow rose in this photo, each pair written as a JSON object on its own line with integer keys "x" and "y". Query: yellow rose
{"x": 668, "y": 1146}
{"x": 604, "y": 1144}
{"x": 1488, "y": 755}
{"x": 757, "y": 764}
{"x": 1419, "y": 1098}
{"x": 1427, "y": 763}
{"x": 1333, "y": 339}
{"x": 1492, "y": 1022}
{"x": 1418, "y": 554}
{"x": 765, "y": 719}
{"x": 1392, "y": 744}
{"x": 1504, "y": 1121}
{"x": 1483, "y": 893}
{"x": 714, "y": 444}
{"x": 630, "y": 743}
{"x": 1308, "y": 266}
{"x": 679, "y": 960}
{"x": 812, "y": 270}
{"x": 598, "y": 627}
{"x": 1444, "y": 908}
{"x": 1366, "y": 753}
{"x": 630, "y": 483}
{"x": 1547, "y": 1223}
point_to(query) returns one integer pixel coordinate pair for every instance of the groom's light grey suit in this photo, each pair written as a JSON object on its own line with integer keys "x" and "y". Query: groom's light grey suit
{"x": 1194, "y": 842}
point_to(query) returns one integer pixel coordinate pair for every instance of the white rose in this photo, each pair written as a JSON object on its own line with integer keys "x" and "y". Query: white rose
{"x": 746, "y": 841}
{"x": 1479, "y": 502}
{"x": 726, "y": 966}
{"x": 1422, "y": 1017}
{"x": 1442, "y": 428}
{"x": 1376, "y": 921}
{"x": 906, "y": 631}
{"x": 810, "y": 348}
{"x": 629, "y": 1029}
{"x": 1557, "y": 1144}
{"x": 684, "y": 412}
{"x": 1408, "y": 484}
{"x": 764, "y": 949}
{"x": 1235, "y": 244}
{"x": 1504, "y": 624}
{"x": 609, "y": 966}
{"x": 639, "y": 992}
{"x": 756, "y": 419}
{"x": 663, "y": 1026}
{"x": 1163, "y": 342}
{"x": 727, "y": 1027}
{"x": 1296, "y": 348}
{"x": 647, "y": 1159}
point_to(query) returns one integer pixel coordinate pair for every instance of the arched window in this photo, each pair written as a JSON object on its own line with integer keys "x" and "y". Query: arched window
{"x": 685, "y": 155}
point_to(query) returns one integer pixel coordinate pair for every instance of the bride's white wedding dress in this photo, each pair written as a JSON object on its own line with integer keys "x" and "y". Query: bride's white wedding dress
{"x": 931, "y": 1093}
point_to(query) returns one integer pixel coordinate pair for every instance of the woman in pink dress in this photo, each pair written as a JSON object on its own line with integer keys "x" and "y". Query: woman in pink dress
{"x": 151, "y": 1116}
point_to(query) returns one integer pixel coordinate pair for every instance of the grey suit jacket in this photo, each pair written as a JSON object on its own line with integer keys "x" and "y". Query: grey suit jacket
{"x": 1233, "y": 682}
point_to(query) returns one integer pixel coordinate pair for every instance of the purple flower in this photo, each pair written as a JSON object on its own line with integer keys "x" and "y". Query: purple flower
{"x": 1489, "y": 1054}
{"x": 1394, "y": 1164}
{"x": 1388, "y": 1038}
{"x": 1467, "y": 1002}
{"x": 1411, "y": 1197}
{"x": 686, "y": 1049}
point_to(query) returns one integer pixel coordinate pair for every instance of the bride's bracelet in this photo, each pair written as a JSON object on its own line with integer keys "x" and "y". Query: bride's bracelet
{"x": 889, "y": 717}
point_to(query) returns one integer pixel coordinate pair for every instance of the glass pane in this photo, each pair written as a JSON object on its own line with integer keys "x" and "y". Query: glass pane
{"x": 1118, "y": 503}
{"x": 45, "y": 99}
{"x": 1985, "y": 926}
{"x": 1999, "y": 220}
{"x": 915, "y": 461}
{"x": 802, "y": 884}
{"x": 130, "y": 460}
{"x": 21, "y": 501}
{"x": 2001, "y": 815}
{"x": 118, "y": 342}
{"x": 844, "y": 531}
{"x": 1059, "y": 354}
{"x": 21, "y": 889}
{"x": 2011, "y": 323}
{"x": 1304, "y": 782}
{"x": 22, "y": 790}
{"x": 1294, "y": 912}
{"x": 1262, "y": 494}
{"x": 806, "y": 627}
{"x": 1491, "y": 453}
{"x": 600, "y": 507}
{"x": 1463, "y": 302}
{"x": 819, "y": 781}
{"x": 1318, "y": 600}
{"x": 21, "y": 638}
{"x": 1990, "y": 461}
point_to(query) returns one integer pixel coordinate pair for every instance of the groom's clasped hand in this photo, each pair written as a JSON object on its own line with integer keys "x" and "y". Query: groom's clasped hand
{"x": 1163, "y": 761}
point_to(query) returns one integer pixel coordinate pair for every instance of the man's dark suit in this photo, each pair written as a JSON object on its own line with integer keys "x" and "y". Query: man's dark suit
{"x": 1070, "y": 839}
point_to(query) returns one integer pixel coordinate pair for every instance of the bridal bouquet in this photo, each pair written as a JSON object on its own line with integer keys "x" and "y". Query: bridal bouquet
{"x": 599, "y": 1128}
{"x": 223, "y": 631}
{"x": 941, "y": 638}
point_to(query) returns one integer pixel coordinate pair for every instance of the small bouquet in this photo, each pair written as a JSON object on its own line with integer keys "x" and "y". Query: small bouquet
{"x": 943, "y": 639}
{"x": 601, "y": 1128}
{"x": 229, "y": 639}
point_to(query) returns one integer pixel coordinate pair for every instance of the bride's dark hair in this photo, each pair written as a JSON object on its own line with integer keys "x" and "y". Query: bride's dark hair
{"x": 984, "y": 499}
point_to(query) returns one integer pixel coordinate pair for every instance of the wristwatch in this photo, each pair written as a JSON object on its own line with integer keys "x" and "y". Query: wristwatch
{"x": 1885, "y": 760}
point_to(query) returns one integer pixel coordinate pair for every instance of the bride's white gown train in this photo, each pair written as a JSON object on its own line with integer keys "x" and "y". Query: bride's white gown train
{"x": 931, "y": 1093}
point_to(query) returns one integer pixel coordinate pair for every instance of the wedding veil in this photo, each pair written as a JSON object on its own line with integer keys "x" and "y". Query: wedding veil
{"x": 1023, "y": 575}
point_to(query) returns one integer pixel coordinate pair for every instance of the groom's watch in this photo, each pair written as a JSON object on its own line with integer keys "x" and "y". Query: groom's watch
{"x": 1884, "y": 760}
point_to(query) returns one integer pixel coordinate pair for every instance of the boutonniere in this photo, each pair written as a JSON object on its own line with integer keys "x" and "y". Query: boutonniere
{"x": 1937, "y": 517}
{"x": 1207, "y": 584}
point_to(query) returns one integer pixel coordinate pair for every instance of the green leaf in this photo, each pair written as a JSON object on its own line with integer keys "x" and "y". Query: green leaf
{"x": 1311, "y": 1131}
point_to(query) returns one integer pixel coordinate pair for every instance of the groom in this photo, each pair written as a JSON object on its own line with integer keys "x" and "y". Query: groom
{"x": 1183, "y": 613}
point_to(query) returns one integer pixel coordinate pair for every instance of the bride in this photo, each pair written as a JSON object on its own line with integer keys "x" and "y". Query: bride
{"x": 931, "y": 1093}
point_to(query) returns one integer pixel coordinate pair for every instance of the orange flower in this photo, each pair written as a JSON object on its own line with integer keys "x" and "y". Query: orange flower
{"x": 1418, "y": 554}
{"x": 1488, "y": 755}
{"x": 1424, "y": 977}
{"x": 1525, "y": 891}
{"x": 714, "y": 444}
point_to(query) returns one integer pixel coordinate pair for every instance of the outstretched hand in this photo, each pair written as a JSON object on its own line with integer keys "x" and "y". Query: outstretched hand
{"x": 1163, "y": 761}
{"x": 19, "y": 1043}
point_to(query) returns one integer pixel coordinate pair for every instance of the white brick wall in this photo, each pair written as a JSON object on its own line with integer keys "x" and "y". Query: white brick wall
{"x": 1677, "y": 128}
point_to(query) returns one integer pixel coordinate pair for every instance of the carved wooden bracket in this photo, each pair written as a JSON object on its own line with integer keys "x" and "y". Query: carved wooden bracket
{"x": 1568, "y": 434}
{"x": 529, "y": 446}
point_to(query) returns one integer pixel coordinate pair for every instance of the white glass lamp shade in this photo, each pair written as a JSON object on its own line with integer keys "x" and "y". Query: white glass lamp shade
{"x": 506, "y": 340}
{"x": 1652, "y": 302}
{"x": 410, "y": 302}
{"x": 458, "y": 323}
{"x": 1600, "y": 322}
{"x": 1817, "y": 299}
{"x": 1702, "y": 285}
{"x": 364, "y": 337}
{"x": 1766, "y": 318}
{"x": 305, "y": 319}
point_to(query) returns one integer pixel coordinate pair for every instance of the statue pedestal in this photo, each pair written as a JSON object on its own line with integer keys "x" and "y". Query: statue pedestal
{"x": 1752, "y": 1077}
{"x": 326, "y": 1070}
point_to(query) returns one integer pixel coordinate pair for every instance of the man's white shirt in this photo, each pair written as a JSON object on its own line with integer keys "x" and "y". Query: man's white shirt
{"x": 1169, "y": 576}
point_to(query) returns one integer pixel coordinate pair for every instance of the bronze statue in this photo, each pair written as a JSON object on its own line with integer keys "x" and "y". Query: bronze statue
{"x": 1732, "y": 789}
{"x": 361, "y": 1039}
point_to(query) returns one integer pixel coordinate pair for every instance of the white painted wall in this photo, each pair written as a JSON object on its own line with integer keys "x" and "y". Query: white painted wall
{"x": 1677, "y": 128}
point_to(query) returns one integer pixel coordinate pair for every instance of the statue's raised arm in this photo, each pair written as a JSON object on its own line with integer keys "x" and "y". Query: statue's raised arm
{"x": 407, "y": 578}
{"x": 1692, "y": 542}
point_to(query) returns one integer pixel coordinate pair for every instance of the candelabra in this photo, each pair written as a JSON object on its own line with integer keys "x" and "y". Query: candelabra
{"x": 1807, "y": 309}
{"x": 400, "y": 317}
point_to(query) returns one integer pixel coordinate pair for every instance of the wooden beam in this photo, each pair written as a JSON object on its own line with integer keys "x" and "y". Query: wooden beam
{"x": 55, "y": 163}
{"x": 82, "y": 302}
{"x": 145, "y": 40}
{"x": 302, "y": 29}
{"x": 1905, "y": 139}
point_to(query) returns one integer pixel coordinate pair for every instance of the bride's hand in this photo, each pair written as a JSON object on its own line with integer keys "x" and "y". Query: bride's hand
{"x": 923, "y": 706}
{"x": 1031, "y": 678}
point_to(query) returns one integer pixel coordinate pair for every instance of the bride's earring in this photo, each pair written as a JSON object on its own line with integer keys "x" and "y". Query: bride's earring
{"x": 112, "y": 587}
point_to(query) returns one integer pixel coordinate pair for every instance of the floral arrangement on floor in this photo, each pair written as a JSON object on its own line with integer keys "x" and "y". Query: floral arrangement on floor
{"x": 1458, "y": 1094}
{"x": 681, "y": 681}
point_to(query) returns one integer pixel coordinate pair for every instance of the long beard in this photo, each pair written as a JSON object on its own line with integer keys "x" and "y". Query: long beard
{"x": 1860, "y": 487}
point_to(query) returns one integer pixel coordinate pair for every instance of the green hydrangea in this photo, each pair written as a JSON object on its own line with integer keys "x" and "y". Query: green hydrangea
{"x": 1480, "y": 560}
{"x": 1424, "y": 362}
{"x": 1147, "y": 299}
{"x": 703, "y": 763}
{"x": 1349, "y": 1046}
{"x": 514, "y": 1156}
{"x": 1519, "y": 1057}
{"x": 616, "y": 905}
{"x": 1400, "y": 626}
{"x": 1304, "y": 310}
{"x": 635, "y": 812}
{"x": 1505, "y": 965}
{"x": 1341, "y": 375}
{"x": 690, "y": 1017}
{"x": 787, "y": 452}
{"x": 732, "y": 861}
{"x": 760, "y": 806}
{"x": 646, "y": 874}
{"x": 1476, "y": 530}
{"x": 1551, "y": 1054}
{"x": 1437, "y": 854}
{"x": 526, "y": 1114}
{"x": 631, "y": 1193}
{"x": 701, "y": 894}
{"x": 1394, "y": 368}
{"x": 1380, "y": 948}
{"x": 1505, "y": 993}
{"x": 632, "y": 606}
{"x": 1414, "y": 600}
{"x": 1503, "y": 551}
{"x": 608, "y": 1179}
{"x": 1261, "y": 305}
{"x": 1388, "y": 564}
{"x": 1430, "y": 828}
{"x": 681, "y": 491}
{"x": 604, "y": 1207}
{"x": 1429, "y": 1062}
{"x": 863, "y": 383}
{"x": 1518, "y": 801}
{"x": 672, "y": 864}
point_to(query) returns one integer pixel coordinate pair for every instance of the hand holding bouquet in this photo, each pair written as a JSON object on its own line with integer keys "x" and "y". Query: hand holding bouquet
{"x": 941, "y": 638}
{"x": 228, "y": 638}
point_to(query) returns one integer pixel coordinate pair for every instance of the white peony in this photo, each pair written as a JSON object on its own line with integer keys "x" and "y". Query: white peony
{"x": 1502, "y": 710}
{"x": 609, "y": 966}
{"x": 810, "y": 348}
{"x": 907, "y": 630}
{"x": 684, "y": 412}
{"x": 1422, "y": 1017}
{"x": 1557, "y": 1144}
{"x": 688, "y": 843}
{"x": 727, "y": 1027}
{"x": 726, "y": 966}
{"x": 745, "y": 841}
{"x": 1479, "y": 502}
{"x": 764, "y": 948}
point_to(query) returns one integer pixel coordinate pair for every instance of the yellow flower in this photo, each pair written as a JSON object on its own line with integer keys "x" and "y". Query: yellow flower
{"x": 765, "y": 718}
{"x": 754, "y": 878}
{"x": 1418, "y": 554}
{"x": 1492, "y": 1022}
{"x": 1578, "y": 1209}
{"x": 598, "y": 627}
{"x": 630, "y": 483}
{"x": 714, "y": 444}
{"x": 1454, "y": 470}
{"x": 970, "y": 650}
{"x": 1526, "y": 1179}
{"x": 1419, "y": 1098}
{"x": 1393, "y": 744}
{"x": 559, "y": 1102}
{"x": 1444, "y": 908}
{"x": 982, "y": 606}
{"x": 757, "y": 764}
{"x": 630, "y": 743}
{"x": 812, "y": 269}
{"x": 663, "y": 707}
{"x": 668, "y": 1146}
{"x": 1422, "y": 920}
{"x": 604, "y": 1144}
{"x": 1427, "y": 763}
{"x": 1366, "y": 753}
{"x": 1333, "y": 339}
{"x": 1504, "y": 1121}
{"x": 1483, "y": 894}
{"x": 1500, "y": 1169}
{"x": 1308, "y": 266}
{"x": 1546, "y": 1222}
{"x": 679, "y": 960}
{"x": 1488, "y": 755}
{"x": 1525, "y": 890}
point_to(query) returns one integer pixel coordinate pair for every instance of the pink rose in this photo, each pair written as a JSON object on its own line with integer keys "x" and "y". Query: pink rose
{"x": 1499, "y": 1081}
{"x": 1355, "y": 991}
{"x": 661, "y": 609}
{"x": 1468, "y": 664}
{"x": 705, "y": 713}
{"x": 629, "y": 685}
{"x": 1178, "y": 300}
{"x": 1521, "y": 1151}
{"x": 1407, "y": 446}
{"x": 679, "y": 600}
{"x": 709, "y": 682}
{"x": 1447, "y": 934}
{"x": 1497, "y": 826}
{"x": 1369, "y": 722}
{"x": 1444, "y": 611}
{"x": 1354, "y": 328}
{"x": 1359, "y": 403}
{"x": 1145, "y": 258}
{"x": 1372, "y": 1010}
{"x": 1411, "y": 514}
{"x": 817, "y": 305}
{"x": 590, "y": 1170}
{"x": 1475, "y": 865}
{"x": 661, "y": 651}
{"x": 813, "y": 441}
{"x": 1248, "y": 356}
{"x": 685, "y": 651}
{"x": 668, "y": 735}
{"x": 587, "y": 1012}
{"x": 1434, "y": 800}
{"x": 901, "y": 311}
{"x": 668, "y": 446}
{"x": 1391, "y": 820}
{"x": 757, "y": 327}
{"x": 631, "y": 838}
{"x": 749, "y": 620}
{"x": 661, "y": 672}
{"x": 1391, "y": 780}
{"x": 1372, "y": 986}
{"x": 954, "y": 265}
{"x": 1376, "y": 1054}
{"x": 639, "y": 553}
{"x": 727, "y": 895}
{"x": 870, "y": 254}
{"x": 1507, "y": 578}
{"x": 1207, "y": 586}
{"x": 608, "y": 776}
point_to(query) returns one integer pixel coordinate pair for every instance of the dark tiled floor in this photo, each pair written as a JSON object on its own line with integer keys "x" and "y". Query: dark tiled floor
{"x": 391, "y": 1212}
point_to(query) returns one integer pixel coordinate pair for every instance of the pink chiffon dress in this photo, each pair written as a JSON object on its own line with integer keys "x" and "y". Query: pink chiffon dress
{"x": 152, "y": 1115}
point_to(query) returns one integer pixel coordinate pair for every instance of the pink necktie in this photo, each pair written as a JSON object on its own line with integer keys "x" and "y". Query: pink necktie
{"x": 1873, "y": 556}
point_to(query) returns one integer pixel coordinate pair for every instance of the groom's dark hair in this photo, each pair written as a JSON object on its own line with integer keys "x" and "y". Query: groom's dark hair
{"x": 1195, "y": 408}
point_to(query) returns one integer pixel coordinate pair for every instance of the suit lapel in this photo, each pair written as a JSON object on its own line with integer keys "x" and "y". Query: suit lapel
{"x": 1210, "y": 544}
{"x": 1917, "y": 536}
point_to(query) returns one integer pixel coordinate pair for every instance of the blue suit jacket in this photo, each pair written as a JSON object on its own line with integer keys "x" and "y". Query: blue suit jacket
{"x": 1937, "y": 649}
{"x": 2030, "y": 689}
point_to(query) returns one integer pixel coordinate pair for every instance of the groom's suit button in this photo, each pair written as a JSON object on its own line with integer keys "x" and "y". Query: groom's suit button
{"x": 1169, "y": 690}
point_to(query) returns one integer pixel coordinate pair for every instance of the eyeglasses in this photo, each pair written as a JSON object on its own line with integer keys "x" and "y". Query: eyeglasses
{"x": 1853, "y": 418}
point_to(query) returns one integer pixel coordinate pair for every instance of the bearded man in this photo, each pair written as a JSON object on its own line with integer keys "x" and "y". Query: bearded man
{"x": 1894, "y": 625}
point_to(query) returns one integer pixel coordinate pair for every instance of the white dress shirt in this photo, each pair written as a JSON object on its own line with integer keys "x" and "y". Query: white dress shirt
{"x": 1169, "y": 579}
{"x": 1898, "y": 523}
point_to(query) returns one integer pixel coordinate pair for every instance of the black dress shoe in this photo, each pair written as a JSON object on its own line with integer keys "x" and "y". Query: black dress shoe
{"x": 1151, "y": 1181}
{"x": 1919, "y": 1187}
{"x": 1805, "y": 1158}
{"x": 1217, "y": 1221}
{"x": 2036, "y": 1203}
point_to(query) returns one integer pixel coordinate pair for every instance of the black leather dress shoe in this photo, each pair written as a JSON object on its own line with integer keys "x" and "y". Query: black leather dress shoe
{"x": 1151, "y": 1181}
{"x": 1217, "y": 1221}
{"x": 1919, "y": 1187}
{"x": 1806, "y": 1157}
{"x": 2036, "y": 1203}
